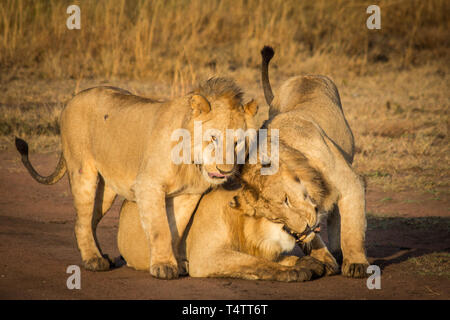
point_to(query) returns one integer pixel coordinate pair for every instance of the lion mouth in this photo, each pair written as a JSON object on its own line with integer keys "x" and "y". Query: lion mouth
{"x": 216, "y": 175}
{"x": 300, "y": 237}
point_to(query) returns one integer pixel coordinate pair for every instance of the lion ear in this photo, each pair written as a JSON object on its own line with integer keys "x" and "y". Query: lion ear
{"x": 199, "y": 104}
{"x": 251, "y": 107}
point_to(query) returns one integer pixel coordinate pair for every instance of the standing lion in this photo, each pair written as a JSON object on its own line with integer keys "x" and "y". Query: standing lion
{"x": 307, "y": 110}
{"x": 116, "y": 143}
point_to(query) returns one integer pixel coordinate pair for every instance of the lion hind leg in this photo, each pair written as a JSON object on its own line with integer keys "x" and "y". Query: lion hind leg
{"x": 83, "y": 182}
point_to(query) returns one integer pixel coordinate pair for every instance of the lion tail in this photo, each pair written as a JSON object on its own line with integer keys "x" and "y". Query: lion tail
{"x": 59, "y": 172}
{"x": 267, "y": 54}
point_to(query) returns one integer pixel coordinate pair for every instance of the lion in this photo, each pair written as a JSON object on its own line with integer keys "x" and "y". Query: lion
{"x": 308, "y": 113}
{"x": 227, "y": 237}
{"x": 117, "y": 143}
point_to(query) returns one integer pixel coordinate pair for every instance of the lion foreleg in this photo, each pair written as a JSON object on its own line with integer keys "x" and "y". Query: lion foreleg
{"x": 353, "y": 228}
{"x": 351, "y": 204}
{"x": 151, "y": 201}
{"x": 288, "y": 261}
{"x": 228, "y": 263}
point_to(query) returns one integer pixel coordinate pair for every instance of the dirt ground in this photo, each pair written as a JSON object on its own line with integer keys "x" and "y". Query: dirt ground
{"x": 407, "y": 236}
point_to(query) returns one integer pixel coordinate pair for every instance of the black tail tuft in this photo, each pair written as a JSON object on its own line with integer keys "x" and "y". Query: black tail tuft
{"x": 267, "y": 53}
{"x": 22, "y": 147}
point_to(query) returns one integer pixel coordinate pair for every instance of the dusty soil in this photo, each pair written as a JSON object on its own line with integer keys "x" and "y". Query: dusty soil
{"x": 37, "y": 244}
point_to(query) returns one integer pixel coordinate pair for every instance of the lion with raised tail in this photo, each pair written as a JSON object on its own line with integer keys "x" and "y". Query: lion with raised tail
{"x": 117, "y": 143}
{"x": 307, "y": 110}
{"x": 242, "y": 233}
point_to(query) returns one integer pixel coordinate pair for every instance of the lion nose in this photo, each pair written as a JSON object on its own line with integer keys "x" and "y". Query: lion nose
{"x": 225, "y": 172}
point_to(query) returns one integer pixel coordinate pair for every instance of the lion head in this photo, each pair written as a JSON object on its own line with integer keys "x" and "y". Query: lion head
{"x": 218, "y": 112}
{"x": 292, "y": 196}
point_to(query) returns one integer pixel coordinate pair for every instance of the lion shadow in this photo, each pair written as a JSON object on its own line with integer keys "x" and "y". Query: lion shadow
{"x": 393, "y": 240}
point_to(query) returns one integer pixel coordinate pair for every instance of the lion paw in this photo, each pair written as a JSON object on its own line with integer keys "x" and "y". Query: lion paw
{"x": 317, "y": 267}
{"x": 164, "y": 271}
{"x": 354, "y": 270}
{"x": 97, "y": 264}
{"x": 331, "y": 268}
{"x": 294, "y": 275}
{"x": 329, "y": 262}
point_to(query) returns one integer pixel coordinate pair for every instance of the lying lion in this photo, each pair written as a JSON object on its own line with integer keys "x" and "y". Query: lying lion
{"x": 116, "y": 143}
{"x": 227, "y": 237}
{"x": 313, "y": 130}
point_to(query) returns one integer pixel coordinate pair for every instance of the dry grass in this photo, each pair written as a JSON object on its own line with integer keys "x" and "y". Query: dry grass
{"x": 400, "y": 120}
{"x": 434, "y": 264}
{"x": 394, "y": 82}
{"x": 184, "y": 40}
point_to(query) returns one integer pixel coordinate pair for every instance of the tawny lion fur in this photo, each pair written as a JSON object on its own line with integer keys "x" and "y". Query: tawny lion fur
{"x": 116, "y": 143}
{"x": 227, "y": 239}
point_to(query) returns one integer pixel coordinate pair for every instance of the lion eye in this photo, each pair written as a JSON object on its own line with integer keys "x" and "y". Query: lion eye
{"x": 286, "y": 201}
